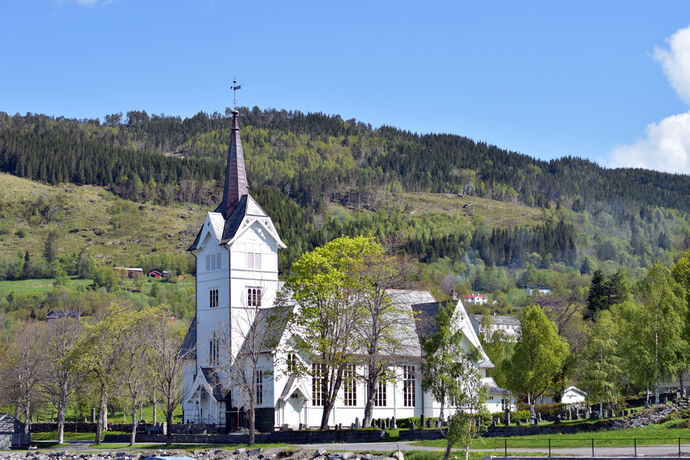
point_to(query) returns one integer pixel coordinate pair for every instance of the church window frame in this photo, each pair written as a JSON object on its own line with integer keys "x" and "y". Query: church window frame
{"x": 380, "y": 395}
{"x": 213, "y": 297}
{"x": 349, "y": 386}
{"x": 214, "y": 350}
{"x": 318, "y": 382}
{"x": 409, "y": 386}
{"x": 259, "y": 389}
{"x": 214, "y": 262}
{"x": 254, "y": 260}
{"x": 253, "y": 296}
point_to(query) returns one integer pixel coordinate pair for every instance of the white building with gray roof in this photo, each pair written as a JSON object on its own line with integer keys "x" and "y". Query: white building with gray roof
{"x": 236, "y": 286}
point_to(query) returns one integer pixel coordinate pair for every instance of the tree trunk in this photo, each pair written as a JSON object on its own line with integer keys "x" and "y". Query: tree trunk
{"x": 155, "y": 407}
{"x": 168, "y": 424}
{"x": 133, "y": 437}
{"x": 656, "y": 390}
{"x": 326, "y": 414}
{"x": 369, "y": 407}
{"x": 61, "y": 424}
{"x": 647, "y": 394}
{"x": 682, "y": 384}
{"x": 252, "y": 420}
{"x": 27, "y": 416}
{"x": 601, "y": 409}
{"x": 446, "y": 454}
{"x": 440, "y": 413}
{"x": 102, "y": 409}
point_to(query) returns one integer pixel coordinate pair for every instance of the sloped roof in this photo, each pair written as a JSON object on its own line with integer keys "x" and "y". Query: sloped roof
{"x": 236, "y": 185}
{"x": 235, "y": 220}
{"x": 270, "y": 324}
{"x": 188, "y": 348}
{"x": 214, "y": 382}
{"x": 493, "y": 388}
{"x": 503, "y": 320}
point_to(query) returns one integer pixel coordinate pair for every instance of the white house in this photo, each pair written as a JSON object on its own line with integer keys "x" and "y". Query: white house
{"x": 236, "y": 251}
{"x": 508, "y": 327}
{"x": 573, "y": 395}
{"x": 538, "y": 290}
{"x": 476, "y": 299}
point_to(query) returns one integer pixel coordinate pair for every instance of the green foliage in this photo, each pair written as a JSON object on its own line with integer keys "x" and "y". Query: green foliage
{"x": 539, "y": 355}
{"x": 106, "y": 277}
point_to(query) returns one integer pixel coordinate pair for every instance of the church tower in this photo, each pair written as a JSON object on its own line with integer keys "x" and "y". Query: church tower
{"x": 236, "y": 253}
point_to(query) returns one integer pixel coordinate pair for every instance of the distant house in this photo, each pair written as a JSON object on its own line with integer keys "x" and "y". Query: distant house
{"x": 54, "y": 315}
{"x": 498, "y": 399}
{"x": 672, "y": 384}
{"x": 573, "y": 395}
{"x": 475, "y": 299}
{"x": 12, "y": 433}
{"x": 508, "y": 326}
{"x": 538, "y": 290}
{"x": 130, "y": 272}
{"x": 155, "y": 274}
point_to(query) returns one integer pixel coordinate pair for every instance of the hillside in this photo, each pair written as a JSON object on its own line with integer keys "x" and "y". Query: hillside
{"x": 470, "y": 214}
{"x": 112, "y": 229}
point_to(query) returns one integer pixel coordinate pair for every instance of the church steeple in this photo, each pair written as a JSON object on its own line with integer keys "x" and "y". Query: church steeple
{"x": 235, "y": 175}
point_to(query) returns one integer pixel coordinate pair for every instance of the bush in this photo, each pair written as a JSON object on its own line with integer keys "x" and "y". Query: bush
{"x": 22, "y": 232}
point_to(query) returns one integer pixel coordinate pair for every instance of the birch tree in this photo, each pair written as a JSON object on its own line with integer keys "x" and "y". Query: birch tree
{"x": 331, "y": 308}
{"x": 62, "y": 375}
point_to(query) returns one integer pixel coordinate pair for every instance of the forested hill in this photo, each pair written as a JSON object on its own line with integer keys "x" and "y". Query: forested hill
{"x": 437, "y": 198}
{"x": 312, "y": 158}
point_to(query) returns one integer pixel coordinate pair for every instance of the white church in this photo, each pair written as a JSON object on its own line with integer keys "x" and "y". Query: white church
{"x": 236, "y": 253}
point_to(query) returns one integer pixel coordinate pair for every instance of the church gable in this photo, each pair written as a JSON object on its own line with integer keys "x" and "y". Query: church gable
{"x": 210, "y": 231}
{"x": 246, "y": 216}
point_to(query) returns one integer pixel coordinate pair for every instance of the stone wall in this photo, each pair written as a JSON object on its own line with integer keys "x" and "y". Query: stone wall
{"x": 298, "y": 437}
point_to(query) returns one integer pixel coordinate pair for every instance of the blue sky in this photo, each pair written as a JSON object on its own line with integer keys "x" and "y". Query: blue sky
{"x": 601, "y": 80}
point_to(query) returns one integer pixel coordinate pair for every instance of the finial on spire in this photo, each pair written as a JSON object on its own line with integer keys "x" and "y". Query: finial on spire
{"x": 234, "y": 87}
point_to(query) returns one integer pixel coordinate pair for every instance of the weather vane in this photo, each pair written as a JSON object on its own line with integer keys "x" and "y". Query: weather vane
{"x": 234, "y": 89}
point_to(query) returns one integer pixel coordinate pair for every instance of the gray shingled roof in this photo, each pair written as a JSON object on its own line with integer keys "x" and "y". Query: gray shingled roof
{"x": 213, "y": 380}
{"x": 503, "y": 320}
{"x": 188, "y": 348}
{"x": 236, "y": 185}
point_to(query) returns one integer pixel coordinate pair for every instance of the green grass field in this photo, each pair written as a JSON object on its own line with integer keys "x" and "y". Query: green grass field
{"x": 35, "y": 286}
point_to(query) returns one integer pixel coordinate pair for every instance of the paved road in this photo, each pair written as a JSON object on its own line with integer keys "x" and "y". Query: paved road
{"x": 647, "y": 451}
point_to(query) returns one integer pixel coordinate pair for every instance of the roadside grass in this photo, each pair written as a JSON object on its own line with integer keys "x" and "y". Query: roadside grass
{"x": 457, "y": 453}
{"x": 663, "y": 433}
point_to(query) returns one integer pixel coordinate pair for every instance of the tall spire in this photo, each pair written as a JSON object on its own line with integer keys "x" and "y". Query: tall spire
{"x": 235, "y": 176}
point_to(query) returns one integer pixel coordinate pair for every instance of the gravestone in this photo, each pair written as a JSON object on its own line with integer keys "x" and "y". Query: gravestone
{"x": 394, "y": 425}
{"x": 352, "y": 426}
{"x": 570, "y": 414}
{"x": 357, "y": 423}
{"x": 539, "y": 417}
{"x": 412, "y": 427}
{"x": 93, "y": 415}
{"x": 438, "y": 422}
{"x": 428, "y": 423}
{"x": 558, "y": 419}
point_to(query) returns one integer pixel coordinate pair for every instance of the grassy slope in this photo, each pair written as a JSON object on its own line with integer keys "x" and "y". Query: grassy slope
{"x": 82, "y": 216}
{"x": 38, "y": 285}
{"x": 87, "y": 216}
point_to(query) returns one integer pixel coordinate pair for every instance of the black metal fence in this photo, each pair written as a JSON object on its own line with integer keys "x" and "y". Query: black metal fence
{"x": 607, "y": 447}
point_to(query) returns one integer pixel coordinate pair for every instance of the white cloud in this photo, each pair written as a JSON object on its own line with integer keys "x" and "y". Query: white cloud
{"x": 666, "y": 145}
{"x": 676, "y": 62}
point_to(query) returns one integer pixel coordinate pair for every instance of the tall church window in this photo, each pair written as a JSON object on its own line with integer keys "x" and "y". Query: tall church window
{"x": 253, "y": 260}
{"x": 408, "y": 386}
{"x": 213, "y": 298}
{"x": 380, "y": 396}
{"x": 318, "y": 380}
{"x": 253, "y": 297}
{"x": 349, "y": 386}
{"x": 292, "y": 363}
{"x": 259, "y": 395}
{"x": 214, "y": 350}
